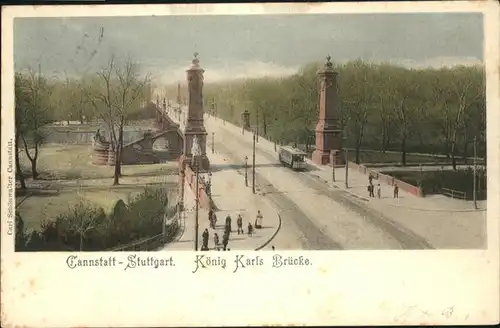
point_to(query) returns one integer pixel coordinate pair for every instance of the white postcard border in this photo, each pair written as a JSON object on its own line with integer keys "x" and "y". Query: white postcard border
{"x": 339, "y": 288}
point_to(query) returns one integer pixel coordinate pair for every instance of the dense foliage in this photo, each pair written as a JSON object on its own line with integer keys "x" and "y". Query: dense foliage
{"x": 380, "y": 107}
{"x": 88, "y": 228}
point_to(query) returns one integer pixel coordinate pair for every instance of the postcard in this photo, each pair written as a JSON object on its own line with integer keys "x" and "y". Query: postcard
{"x": 250, "y": 164}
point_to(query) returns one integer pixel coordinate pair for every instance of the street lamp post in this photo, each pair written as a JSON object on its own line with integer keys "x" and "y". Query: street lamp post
{"x": 212, "y": 111}
{"x": 181, "y": 202}
{"x": 246, "y": 171}
{"x": 197, "y": 207}
{"x": 333, "y": 169}
{"x": 253, "y": 164}
{"x": 196, "y": 152}
{"x": 346, "y": 169}
{"x": 256, "y": 135}
{"x": 474, "y": 195}
{"x": 213, "y": 142}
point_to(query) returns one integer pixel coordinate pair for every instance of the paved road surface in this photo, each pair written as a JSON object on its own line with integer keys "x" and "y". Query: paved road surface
{"x": 316, "y": 213}
{"x": 296, "y": 232}
{"x": 321, "y": 218}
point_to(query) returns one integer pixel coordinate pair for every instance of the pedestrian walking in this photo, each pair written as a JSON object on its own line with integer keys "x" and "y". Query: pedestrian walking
{"x": 370, "y": 179}
{"x": 258, "y": 220}
{"x": 211, "y": 218}
{"x": 225, "y": 240}
{"x": 250, "y": 229}
{"x": 239, "y": 222}
{"x": 205, "y": 236}
{"x": 228, "y": 223}
{"x": 216, "y": 241}
{"x": 208, "y": 189}
{"x": 371, "y": 189}
{"x": 214, "y": 218}
{"x": 396, "y": 191}
{"x": 379, "y": 191}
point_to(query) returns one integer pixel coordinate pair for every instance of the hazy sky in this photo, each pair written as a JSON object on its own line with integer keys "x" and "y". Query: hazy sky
{"x": 246, "y": 45}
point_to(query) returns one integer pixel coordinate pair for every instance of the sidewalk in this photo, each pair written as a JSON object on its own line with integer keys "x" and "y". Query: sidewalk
{"x": 444, "y": 222}
{"x": 232, "y": 198}
{"x": 358, "y": 182}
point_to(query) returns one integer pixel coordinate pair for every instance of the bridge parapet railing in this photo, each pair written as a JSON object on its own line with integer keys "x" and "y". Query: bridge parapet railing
{"x": 454, "y": 193}
{"x": 203, "y": 196}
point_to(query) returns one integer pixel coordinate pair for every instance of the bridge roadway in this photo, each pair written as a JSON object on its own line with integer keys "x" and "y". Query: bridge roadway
{"x": 314, "y": 216}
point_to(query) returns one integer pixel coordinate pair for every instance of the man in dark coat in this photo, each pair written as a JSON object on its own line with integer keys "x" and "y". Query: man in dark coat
{"x": 225, "y": 240}
{"x": 205, "y": 240}
{"x": 239, "y": 222}
{"x": 228, "y": 223}
{"x": 214, "y": 218}
{"x": 211, "y": 218}
{"x": 216, "y": 241}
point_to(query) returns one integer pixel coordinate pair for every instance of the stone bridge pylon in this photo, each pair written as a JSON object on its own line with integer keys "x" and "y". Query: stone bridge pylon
{"x": 194, "y": 124}
{"x": 182, "y": 126}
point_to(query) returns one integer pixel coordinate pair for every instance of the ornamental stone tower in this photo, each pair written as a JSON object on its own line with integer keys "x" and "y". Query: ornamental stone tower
{"x": 194, "y": 124}
{"x": 328, "y": 133}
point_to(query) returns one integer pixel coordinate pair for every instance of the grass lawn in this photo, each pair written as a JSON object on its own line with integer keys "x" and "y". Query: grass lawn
{"x": 67, "y": 176}
{"x": 70, "y": 162}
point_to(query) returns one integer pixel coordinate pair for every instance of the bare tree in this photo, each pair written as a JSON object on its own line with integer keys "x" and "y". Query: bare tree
{"x": 21, "y": 102}
{"x": 120, "y": 89}
{"x": 404, "y": 92}
{"x": 467, "y": 91}
{"x": 358, "y": 100}
{"x": 441, "y": 98}
{"x": 33, "y": 116}
{"x": 384, "y": 88}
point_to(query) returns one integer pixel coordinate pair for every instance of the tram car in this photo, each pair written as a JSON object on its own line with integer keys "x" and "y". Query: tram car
{"x": 293, "y": 158}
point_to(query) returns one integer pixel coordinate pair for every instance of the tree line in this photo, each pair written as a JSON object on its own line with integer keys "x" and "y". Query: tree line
{"x": 113, "y": 95}
{"x": 381, "y": 106}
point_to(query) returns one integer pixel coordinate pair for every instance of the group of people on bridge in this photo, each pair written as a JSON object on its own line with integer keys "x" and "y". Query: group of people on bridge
{"x": 212, "y": 217}
{"x": 371, "y": 189}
